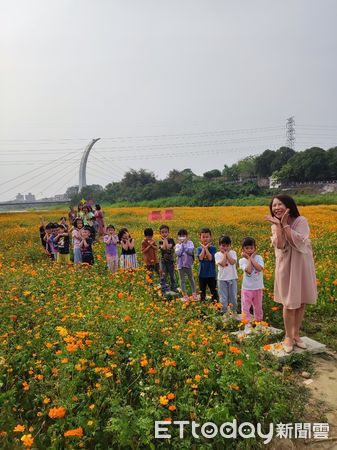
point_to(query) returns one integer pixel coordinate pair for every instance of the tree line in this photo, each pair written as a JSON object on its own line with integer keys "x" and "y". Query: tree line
{"x": 238, "y": 180}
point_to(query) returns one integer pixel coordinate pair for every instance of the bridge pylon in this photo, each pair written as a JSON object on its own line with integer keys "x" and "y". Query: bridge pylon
{"x": 83, "y": 164}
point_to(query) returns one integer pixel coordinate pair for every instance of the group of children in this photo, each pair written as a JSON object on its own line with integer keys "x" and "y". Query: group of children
{"x": 55, "y": 240}
{"x": 217, "y": 267}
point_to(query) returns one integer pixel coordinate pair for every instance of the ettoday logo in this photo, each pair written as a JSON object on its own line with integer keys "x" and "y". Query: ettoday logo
{"x": 209, "y": 430}
{"x": 245, "y": 430}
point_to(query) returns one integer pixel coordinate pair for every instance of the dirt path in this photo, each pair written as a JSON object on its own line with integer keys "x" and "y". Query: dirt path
{"x": 322, "y": 405}
{"x": 324, "y": 393}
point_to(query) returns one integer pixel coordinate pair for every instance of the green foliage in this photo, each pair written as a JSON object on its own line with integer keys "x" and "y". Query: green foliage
{"x": 183, "y": 187}
{"x": 134, "y": 178}
{"x": 313, "y": 164}
{"x": 90, "y": 192}
{"x": 282, "y": 156}
{"x": 264, "y": 162}
{"x": 215, "y": 173}
{"x": 247, "y": 167}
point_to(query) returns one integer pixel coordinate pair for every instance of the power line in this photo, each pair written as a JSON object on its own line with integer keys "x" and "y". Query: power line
{"x": 319, "y": 135}
{"x": 164, "y": 135}
{"x": 317, "y": 126}
{"x": 97, "y": 172}
{"x": 182, "y": 144}
{"x": 116, "y": 168}
{"x": 50, "y": 176}
{"x": 63, "y": 184}
{"x": 167, "y": 144}
{"x": 34, "y": 170}
{"x": 109, "y": 170}
{"x": 176, "y": 155}
{"x": 106, "y": 171}
{"x": 31, "y": 187}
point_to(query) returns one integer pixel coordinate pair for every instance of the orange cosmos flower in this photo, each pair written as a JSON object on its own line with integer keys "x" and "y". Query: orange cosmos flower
{"x": 267, "y": 347}
{"x": 234, "y": 350}
{"x": 77, "y": 432}
{"x": 25, "y": 386}
{"x": 72, "y": 348}
{"x": 57, "y": 413}
{"x": 27, "y": 440}
{"x": 163, "y": 400}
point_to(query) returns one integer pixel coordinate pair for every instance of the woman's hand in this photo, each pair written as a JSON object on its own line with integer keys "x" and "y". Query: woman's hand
{"x": 273, "y": 220}
{"x": 285, "y": 218}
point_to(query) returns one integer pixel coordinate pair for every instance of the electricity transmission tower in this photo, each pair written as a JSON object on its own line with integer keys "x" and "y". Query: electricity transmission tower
{"x": 290, "y": 127}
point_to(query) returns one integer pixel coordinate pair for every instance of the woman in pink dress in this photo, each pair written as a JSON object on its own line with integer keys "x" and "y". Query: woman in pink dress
{"x": 295, "y": 278}
{"x": 99, "y": 219}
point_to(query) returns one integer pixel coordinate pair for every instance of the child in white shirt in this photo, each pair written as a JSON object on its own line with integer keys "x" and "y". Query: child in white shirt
{"x": 252, "y": 283}
{"x": 226, "y": 259}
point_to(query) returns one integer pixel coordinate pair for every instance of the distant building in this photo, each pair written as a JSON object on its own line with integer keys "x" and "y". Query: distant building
{"x": 273, "y": 183}
{"x": 30, "y": 197}
{"x": 20, "y": 198}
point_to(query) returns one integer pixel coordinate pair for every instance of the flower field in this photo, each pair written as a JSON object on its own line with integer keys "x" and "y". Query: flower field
{"x": 89, "y": 360}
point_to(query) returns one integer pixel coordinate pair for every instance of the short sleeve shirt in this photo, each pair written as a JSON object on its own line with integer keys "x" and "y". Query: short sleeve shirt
{"x": 228, "y": 272}
{"x": 63, "y": 245}
{"x": 111, "y": 249}
{"x": 207, "y": 267}
{"x": 150, "y": 257}
{"x": 252, "y": 281}
{"x": 167, "y": 254}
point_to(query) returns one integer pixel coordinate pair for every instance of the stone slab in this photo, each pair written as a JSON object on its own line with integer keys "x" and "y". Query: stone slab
{"x": 251, "y": 332}
{"x": 314, "y": 347}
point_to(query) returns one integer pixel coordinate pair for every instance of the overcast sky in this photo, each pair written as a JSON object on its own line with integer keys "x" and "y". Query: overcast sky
{"x": 164, "y": 84}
